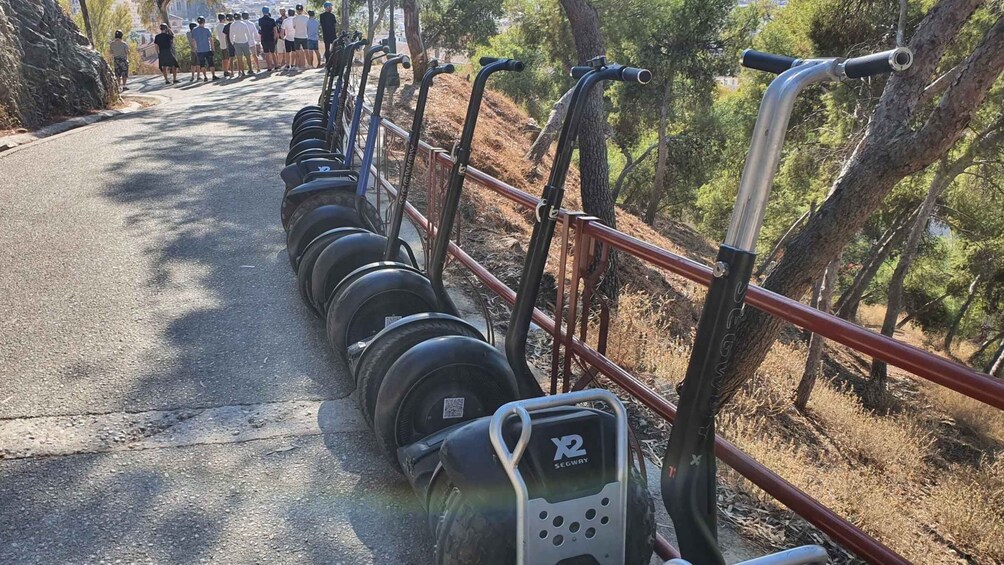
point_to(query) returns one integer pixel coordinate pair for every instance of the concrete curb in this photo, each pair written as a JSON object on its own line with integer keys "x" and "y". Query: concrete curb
{"x": 11, "y": 141}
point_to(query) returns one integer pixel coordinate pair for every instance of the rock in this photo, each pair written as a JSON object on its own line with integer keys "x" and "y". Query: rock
{"x": 47, "y": 67}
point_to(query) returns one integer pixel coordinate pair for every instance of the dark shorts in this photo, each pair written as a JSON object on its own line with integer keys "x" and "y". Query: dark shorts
{"x": 206, "y": 59}
{"x": 300, "y": 43}
{"x": 311, "y": 45}
{"x": 230, "y": 51}
{"x": 167, "y": 60}
{"x": 268, "y": 46}
{"x": 290, "y": 46}
{"x": 121, "y": 67}
{"x": 195, "y": 59}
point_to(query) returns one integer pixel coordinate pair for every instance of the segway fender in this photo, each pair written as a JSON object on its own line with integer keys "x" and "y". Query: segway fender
{"x": 341, "y": 258}
{"x": 307, "y": 189}
{"x": 304, "y": 145}
{"x": 309, "y": 131}
{"x": 293, "y": 175}
{"x": 570, "y": 455}
{"x": 316, "y": 222}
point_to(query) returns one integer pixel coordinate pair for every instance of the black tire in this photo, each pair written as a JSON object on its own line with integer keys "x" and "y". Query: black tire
{"x": 341, "y": 259}
{"x": 315, "y": 223}
{"x": 363, "y": 307}
{"x": 292, "y": 154}
{"x": 395, "y": 342}
{"x": 290, "y": 212}
{"x": 308, "y": 258}
{"x": 314, "y": 129}
{"x": 410, "y": 403}
{"x": 466, "y": 536}
{"x": 303, "y": 116}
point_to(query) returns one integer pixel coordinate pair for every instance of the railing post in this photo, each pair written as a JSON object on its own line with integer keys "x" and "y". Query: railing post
{"x": 557, "y": 341}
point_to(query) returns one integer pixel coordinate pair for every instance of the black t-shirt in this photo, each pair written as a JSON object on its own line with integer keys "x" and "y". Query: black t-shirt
{"x": 165, "y": 41}
{"x": 267, "y": 27}
{"x": 328, "y": 24}
{"x": 226, "y": 32}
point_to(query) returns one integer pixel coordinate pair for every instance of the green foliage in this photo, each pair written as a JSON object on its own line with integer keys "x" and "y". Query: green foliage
{"x": 537, "y": 87}
{"x": 459, "y": 25}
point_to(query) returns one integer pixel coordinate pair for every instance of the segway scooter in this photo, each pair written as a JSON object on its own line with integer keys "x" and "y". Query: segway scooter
{"x": 329, "y": 93}
{"x": 319, "y": 143}
{"x": 370, "y": 299}
{"x": 301, "y": 203}
{"x": 538, "y": 481}
{"x": 689, "y": 465}
{"x": 336, "y": 256}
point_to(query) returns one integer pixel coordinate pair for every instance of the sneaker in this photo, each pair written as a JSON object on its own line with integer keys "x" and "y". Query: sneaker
{"x": 175, "y": 81}
{"x": 125, "y": 88}
{"x": 207, "y": 80}
{"x": 216, "y": 77}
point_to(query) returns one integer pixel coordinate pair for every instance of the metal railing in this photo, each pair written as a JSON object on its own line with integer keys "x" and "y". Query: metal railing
{"x": 585, "y": 245}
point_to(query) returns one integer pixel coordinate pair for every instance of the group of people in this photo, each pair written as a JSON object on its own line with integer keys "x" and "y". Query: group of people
{"x": 290, "y": 41}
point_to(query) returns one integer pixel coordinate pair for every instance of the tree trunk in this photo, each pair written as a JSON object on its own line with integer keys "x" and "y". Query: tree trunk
{"x": 920, "y": 310}
{"x": 986, "y": 343}
{"x": 765, "y": 265}
{"x": 630, "y": 164}
{"x": 997, "y": 363}
{"x": 847, "y": 304}
{"x": 894, "y": 301}
{"x": 370, "y": 19}
{"x": 593, "y": 169}
{"x": 345, "y": 17}
{"x": 950, "y": 336}
{"x": 889, "y": 151}
{"x": 814, "y": 359}
{"x": 87, "y": 21}
{"x": 413, "y": 33}
{"x": 549, "y": 133}
{"x": 660, "y": 167}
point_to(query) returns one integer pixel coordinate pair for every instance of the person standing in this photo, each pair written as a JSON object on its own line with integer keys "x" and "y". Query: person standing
{"x": 204, "y": 47}
{"x": 280, "y": 39}
{"x": 194, "y": 60}
{"x": 240, "y": 37}
{"x": 328, "y": 26}
{"x": 165, "y": 53}
{"x": 221, "y": 37}
{"x": 312, "y": 39}
{"x": 266, "y": 25}
{"x": 288, "y": 34}
{"x": 253, "y": 32}
{"x": 120, "y": 58}
{"x": 300, "y": 36}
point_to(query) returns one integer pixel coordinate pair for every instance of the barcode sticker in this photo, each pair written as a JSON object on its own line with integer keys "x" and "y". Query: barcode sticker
{"x": 388, "y": 320}
{"x": 453, "y": 408}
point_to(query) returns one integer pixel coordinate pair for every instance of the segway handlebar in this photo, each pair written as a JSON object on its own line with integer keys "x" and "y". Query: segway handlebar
{"x": 767, "y": 62}
{"x": 623, "y": 74}
{"x": 511, "y": 64}
{"x": 772, "y": 123}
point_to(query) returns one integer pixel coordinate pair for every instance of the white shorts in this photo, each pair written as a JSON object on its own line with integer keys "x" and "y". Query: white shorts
{"x": 242, "y": 49}
{"x": 280, "y": 46}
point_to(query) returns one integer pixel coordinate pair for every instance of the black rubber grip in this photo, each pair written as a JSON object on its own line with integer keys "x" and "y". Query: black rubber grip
{"x": 447, "y": 68}
{"x": 488, "y": 60}
{"x": 406, "y": 62}
{"x": 633, "y": 74}
{"x": 767, "y": 62}
{"x": 580, "y": 70}
{"x": 894, "y": 60}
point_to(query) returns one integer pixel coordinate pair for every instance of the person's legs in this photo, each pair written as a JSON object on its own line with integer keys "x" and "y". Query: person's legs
{"x": 163, "y": 71}
{"x": 175, "y": 72}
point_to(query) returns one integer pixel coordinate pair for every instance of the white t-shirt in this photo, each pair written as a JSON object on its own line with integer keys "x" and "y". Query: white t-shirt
{"x": 220, "y": 36}
{"x": 287, "y": 29}
{"x": 300, "y": 26}
{"x": 239, "y": 33}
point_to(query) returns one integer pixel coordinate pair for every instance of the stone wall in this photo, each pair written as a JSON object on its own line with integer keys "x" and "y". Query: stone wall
{"x": 47, "y": 67}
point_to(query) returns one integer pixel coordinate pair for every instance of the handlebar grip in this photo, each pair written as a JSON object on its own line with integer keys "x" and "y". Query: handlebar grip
{"x": 767, "y": 62}
{"x": 634, "y": 74}
{"x": 578, "y": 71}
{"x": 488, "y": 60}
{"x": 894, "y": 60}
{"x": 406, "y": 62}
{"x": 447, "y": 68}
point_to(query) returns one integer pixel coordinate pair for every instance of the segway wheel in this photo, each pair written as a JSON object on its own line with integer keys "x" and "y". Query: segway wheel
{"x": 291, "y": 212}
{"x": 305, "y": 268}
{"x": 436, "y": 384}
{"x": 373, "y": 302}
{"x": 466, "y": 535}
{"x": 393, "y": 342}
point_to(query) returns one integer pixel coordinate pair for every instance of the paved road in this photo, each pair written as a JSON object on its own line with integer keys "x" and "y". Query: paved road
{"x": 142, "y": 268}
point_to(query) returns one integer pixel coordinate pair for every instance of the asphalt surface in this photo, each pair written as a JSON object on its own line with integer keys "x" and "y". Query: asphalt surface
{"x": 143, "y": 268}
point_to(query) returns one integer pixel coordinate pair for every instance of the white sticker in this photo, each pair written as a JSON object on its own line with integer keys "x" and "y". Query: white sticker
{"x": 453, "y": 408}
{"x": 388, "y": 320}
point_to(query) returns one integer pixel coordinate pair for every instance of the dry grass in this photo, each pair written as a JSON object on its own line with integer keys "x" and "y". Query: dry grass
{"x": 910, "y": 478}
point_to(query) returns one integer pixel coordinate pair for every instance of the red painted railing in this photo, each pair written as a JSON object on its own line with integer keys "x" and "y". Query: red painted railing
{"x": 584, "y": 241}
